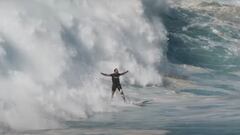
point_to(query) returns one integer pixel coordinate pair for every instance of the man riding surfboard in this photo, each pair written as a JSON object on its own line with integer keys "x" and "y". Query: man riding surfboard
{"x": 116, "y": 82}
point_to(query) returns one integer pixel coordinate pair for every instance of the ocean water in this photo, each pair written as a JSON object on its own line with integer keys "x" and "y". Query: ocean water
{"x": 183, "y": 57}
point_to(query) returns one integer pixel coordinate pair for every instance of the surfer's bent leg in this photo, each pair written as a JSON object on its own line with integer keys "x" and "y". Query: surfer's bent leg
{"x": 122, "y": 94}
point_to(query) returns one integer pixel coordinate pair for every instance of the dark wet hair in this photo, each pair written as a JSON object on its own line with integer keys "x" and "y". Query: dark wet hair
{"x": 115, "y": 70}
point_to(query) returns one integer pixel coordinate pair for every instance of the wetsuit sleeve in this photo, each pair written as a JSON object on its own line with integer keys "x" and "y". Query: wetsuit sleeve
{"x": 106, "y": 74}
{"x": 123, "y": 73}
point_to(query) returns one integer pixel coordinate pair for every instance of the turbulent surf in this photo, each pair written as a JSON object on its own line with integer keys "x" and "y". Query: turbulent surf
{"x": 182, "y": 55}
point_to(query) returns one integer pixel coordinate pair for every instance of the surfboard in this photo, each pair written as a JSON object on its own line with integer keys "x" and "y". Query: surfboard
{"x": 141, "y": 103}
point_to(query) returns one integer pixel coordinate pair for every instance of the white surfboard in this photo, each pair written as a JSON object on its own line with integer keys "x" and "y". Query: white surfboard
{"x": 141, "y": 103}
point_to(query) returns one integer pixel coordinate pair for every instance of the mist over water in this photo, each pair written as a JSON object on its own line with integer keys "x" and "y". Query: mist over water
{"x": 51, "y": 54}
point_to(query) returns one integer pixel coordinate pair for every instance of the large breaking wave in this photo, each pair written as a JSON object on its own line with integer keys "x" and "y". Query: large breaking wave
{"x": 51, "y": 53}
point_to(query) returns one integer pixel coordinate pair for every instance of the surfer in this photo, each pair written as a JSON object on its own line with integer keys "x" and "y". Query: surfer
{"x": 116, "y": 82}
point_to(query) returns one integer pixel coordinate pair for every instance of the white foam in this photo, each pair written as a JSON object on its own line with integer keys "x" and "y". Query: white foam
{"x": 51, "y": 54}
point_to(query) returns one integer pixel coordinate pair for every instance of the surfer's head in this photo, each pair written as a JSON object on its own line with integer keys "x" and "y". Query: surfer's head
{"x": 115, "y": 70}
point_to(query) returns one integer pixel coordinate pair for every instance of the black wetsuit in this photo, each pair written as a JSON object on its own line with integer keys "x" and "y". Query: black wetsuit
{"x": 116, "y": 82}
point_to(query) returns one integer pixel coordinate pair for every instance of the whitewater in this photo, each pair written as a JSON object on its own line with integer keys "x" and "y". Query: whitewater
{"x": 183, "y": 57}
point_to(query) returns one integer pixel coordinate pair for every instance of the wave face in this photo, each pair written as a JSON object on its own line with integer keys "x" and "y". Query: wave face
{"x": 204, "y": 33}
{"x": 52, "y": 51}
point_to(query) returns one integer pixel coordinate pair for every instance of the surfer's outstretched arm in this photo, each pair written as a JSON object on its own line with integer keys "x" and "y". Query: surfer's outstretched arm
{"x": 106, "y": 74}
{"x": 124, "y": 72}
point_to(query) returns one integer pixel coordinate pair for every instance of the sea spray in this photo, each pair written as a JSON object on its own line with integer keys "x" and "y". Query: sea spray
{"x": 51, "y": 54}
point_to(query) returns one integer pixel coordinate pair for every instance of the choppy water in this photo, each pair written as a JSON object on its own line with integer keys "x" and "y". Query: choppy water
{"x": 183, "y": 57}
